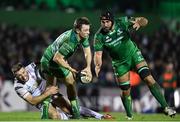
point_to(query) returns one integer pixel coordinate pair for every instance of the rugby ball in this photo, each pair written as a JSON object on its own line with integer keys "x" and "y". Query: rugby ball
{"x": 84, "y": 78}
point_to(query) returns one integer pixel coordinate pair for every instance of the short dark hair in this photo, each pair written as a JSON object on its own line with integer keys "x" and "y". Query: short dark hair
{"x": 16, "y": 67}
{"x": 80, "y": 21}
{"x": 107, "y": 15}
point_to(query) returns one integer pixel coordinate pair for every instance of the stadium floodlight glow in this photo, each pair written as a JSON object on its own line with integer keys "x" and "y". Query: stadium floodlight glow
{"x": 176, "y": 98}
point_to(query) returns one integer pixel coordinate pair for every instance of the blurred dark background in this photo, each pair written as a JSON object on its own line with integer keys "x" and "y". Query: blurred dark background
{"x": 27, "y": 27}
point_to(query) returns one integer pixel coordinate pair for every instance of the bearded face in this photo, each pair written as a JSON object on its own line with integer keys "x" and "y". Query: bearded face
{"x": 106, "y": 25}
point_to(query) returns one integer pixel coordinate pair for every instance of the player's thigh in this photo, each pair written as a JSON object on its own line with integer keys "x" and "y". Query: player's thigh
{"x": 141, "y": 64}
{"x": 138, "y": 60}
{"x": 51, "y": 68}
{"x": 122, "y": 70}
{"x": 124, "y": 78}
{"x": 45, "y": 67}
{"x": 59, "y": 71}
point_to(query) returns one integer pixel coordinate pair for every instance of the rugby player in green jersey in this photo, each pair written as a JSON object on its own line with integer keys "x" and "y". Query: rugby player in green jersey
{"x": 54, "y": 60}
{"x": 114, "y": 37}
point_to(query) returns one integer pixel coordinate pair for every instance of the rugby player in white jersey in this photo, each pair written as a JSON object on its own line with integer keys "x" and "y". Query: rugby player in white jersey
{"x": 30, "y": 86}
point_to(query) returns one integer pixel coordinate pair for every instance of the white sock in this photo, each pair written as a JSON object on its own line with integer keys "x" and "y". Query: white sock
{"x": 88, "y": 112}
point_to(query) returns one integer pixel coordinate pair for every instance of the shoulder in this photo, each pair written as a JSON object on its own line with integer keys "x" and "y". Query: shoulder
{"x": 124, "y": 19}
{"x": 119, "y": 20}
{"x": 31, "y": 66}
{"x": 64, "y": 35}
{"x": 124, "y": 22}
{"x": 68, "y": 32}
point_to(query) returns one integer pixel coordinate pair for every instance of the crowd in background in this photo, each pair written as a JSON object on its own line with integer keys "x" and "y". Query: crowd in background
{"x": 79, "y": 5}
{"x": 27, "y": 45}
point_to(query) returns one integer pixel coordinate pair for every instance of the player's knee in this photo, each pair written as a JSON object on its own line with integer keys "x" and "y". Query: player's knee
{"x": 70, "y": 83}
{"x": 144, "y": 72}
{"x": 69, "y": 80}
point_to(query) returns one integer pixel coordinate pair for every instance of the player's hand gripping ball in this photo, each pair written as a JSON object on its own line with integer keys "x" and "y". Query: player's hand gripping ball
{"x": 83, "y": 77}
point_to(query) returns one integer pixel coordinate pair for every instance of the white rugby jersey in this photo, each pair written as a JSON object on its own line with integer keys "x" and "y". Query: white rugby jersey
{"x": 35, "y": 86}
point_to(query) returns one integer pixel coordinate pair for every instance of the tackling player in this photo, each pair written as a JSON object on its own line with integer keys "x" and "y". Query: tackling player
{"x": 31, "y": 86}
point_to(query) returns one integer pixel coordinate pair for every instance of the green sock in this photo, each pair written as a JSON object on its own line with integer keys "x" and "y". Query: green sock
{"x": 75, "y": 109}
{"x": 155, "y": 90}
{"x": 127, "y": 102}
{"x": 44, "y": 114}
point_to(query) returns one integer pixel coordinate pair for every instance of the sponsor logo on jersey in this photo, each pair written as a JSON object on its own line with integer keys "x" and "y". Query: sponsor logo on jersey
{"x": 107, "y": 37}
{"x": 116, "y": 41}
{"x": 112, "y": 32}
{"x": 119, "y": 32}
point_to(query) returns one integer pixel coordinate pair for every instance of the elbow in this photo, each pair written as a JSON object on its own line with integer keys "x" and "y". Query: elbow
{"x": 55, "y": 58}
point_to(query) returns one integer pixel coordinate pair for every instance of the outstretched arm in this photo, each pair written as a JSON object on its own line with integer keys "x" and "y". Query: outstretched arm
{"x": 98, "y": 61}
{"x": 139, "y": 22}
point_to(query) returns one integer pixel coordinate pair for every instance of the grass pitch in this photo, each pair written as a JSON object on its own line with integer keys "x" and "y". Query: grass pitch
{"x": 35, "y": 116}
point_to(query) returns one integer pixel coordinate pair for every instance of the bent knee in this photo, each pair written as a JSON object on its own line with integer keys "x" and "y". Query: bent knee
{"x": 70, "y": 83}
{"x": 69, "y": 80}
{"x": 144, "y": 72}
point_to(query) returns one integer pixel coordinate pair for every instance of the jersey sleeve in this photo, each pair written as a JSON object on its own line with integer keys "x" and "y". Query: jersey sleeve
{"x": 65, "y": 48}
{"x": 31, "y": 67}
{"x": 126, "y": 21}
{"x": 85, "y": 43}
{"x": 20, "y": 90}
{"x": 98, "y": 45}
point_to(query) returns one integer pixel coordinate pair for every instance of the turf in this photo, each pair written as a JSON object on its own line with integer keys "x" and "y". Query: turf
{"x": 35, "y": 116}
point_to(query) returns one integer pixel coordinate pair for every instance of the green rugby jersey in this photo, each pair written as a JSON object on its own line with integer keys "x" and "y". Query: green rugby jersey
{"x": 117, "y": 42}
{"x": 66, "y": 44}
